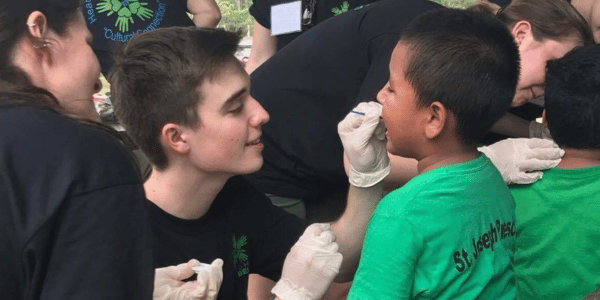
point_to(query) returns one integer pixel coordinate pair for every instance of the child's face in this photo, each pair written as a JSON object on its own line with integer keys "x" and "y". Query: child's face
{"x": 402, "y": 116}
{"x": 227, "y": 140}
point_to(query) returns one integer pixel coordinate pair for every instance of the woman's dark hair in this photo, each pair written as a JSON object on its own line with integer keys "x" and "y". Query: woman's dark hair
{"x": 16, "y": 88}
{"x": 550, "y": 19}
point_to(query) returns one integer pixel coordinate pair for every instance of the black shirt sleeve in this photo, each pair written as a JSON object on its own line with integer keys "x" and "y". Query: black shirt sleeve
{"x": 260, "y": 10}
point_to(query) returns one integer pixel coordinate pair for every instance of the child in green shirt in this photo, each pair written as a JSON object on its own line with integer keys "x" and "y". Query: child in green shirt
{"x": 449, "y": 232}
{"x": 557, "y": 254}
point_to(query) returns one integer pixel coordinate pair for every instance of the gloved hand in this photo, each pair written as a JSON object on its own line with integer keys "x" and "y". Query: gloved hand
{"x": 311, "y": 265}
{"x": 168, "y": 281}
{"x": 521, "y": 160}
{"x": 538, "y": 130}
{"x": 363, "y": 137}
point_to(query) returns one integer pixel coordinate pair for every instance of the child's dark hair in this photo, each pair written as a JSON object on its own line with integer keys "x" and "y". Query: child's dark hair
{"x": 467, "y": 61}
{"x": 157, "y": 78}
{"x": 573, "y": 98}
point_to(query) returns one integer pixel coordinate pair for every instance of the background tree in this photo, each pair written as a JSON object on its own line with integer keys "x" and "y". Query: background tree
{"x": 234, "y": 15}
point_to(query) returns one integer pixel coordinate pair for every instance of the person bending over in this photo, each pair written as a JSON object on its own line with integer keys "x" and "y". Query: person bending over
{"x": 344, "y": 61}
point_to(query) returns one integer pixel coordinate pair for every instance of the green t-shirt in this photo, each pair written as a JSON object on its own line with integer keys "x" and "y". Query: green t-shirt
{"x": 447, "y": 234}
{"x": 558, "y": 235}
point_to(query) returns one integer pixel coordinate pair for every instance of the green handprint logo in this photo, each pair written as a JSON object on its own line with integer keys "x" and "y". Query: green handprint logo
{"x": 124, "y": 19}
{"x": 109, "y": 5}
{"x": 137, "y": 9}
{"x": 125, "y": 10}
{"x": 342, "y": 9}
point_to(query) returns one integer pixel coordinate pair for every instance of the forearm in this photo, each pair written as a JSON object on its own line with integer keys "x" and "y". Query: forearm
{"x": 351, "y": 227}
{"x": 208, "y": 19}
{"x": 263, "y": 47}
{"x": 512, "y": 126}
{"x": 205, "y": 13}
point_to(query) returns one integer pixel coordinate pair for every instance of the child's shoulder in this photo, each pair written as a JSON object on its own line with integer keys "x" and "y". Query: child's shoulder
{"x": 448, "y": 184}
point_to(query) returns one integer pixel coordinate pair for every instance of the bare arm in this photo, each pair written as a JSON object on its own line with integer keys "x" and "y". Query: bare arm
{"x": 206, "y": 13}
{"x": 512, "y": 126}
{"x": 350, "y": 228}
{"x": 263, "y": 47}
{"x": 259, "y": 288}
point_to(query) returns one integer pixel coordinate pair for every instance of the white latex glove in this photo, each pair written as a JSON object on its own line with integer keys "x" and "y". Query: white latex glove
{"x": 363, "y": 137}
{"x": 538, "y": 130}
{"x": 521, "y": 160}
{"x": 311, "y": 265}
{"x": 169, "y": 284}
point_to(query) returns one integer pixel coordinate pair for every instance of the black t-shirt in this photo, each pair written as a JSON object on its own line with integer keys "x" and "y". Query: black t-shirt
{"x": 72, "y": 217}
{"x": 113, "y": 23}
{"x": 323, "y": 10}
{"x": 241, "y": 227}
{"x": 310, "y": 86}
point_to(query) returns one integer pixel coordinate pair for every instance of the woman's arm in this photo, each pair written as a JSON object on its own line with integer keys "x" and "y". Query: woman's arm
{"x": 263, "y": 47}
{"x": 512, "y": 126}
{"x": 206, "y": 13}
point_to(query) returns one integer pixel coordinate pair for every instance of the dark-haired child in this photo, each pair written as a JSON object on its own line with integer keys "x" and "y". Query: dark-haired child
{"x": 557, "y": 248}
{"x": 449, "y": 232}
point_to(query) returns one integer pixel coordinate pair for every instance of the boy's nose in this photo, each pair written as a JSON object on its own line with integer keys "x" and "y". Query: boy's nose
{"x": 259, "y": 115}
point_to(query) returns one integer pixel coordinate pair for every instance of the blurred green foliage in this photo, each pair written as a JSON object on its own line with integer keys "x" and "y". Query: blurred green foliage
{"x": 234, "y": 15}
{"x": 455, "y": 3}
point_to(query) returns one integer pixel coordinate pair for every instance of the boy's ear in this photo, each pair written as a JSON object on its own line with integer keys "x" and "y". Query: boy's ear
{"x": 544, "y": 121}
{"x": 171, "y": 137}
{"x": 520, "y": 31}
{"x": 437, "y": 116}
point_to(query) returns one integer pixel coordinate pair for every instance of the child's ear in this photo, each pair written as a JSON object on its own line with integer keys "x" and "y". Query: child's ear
{"x": 520, "y": 31}
{"x": 171, "y": 137}
{"x": 544, "y": 121}
{"x": 437, "y": 116}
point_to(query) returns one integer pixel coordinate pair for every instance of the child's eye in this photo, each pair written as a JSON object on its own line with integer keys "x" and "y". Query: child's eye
{"x": 390, "y": 89}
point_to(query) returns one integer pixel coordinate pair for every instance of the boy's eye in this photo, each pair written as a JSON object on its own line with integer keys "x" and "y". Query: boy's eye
{"x": 237, "y": 110}
{"x": 390, "y": 89}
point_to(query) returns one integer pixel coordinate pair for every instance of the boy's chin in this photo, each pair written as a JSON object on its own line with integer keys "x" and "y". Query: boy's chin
{"x": 254, "y": 167}
{"x": 395, "y": 151}
{"x": 391, "y": 149}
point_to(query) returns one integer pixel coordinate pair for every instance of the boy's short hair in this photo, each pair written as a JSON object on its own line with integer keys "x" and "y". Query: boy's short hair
{"x": 157, "y": 78}
{"x": 572, "y": 98}
{"x": 467, "y": 61}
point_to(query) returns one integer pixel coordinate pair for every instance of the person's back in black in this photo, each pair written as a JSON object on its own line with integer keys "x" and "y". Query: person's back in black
{"x": 310, "y": 85}
{"x": 72, "y": 219}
